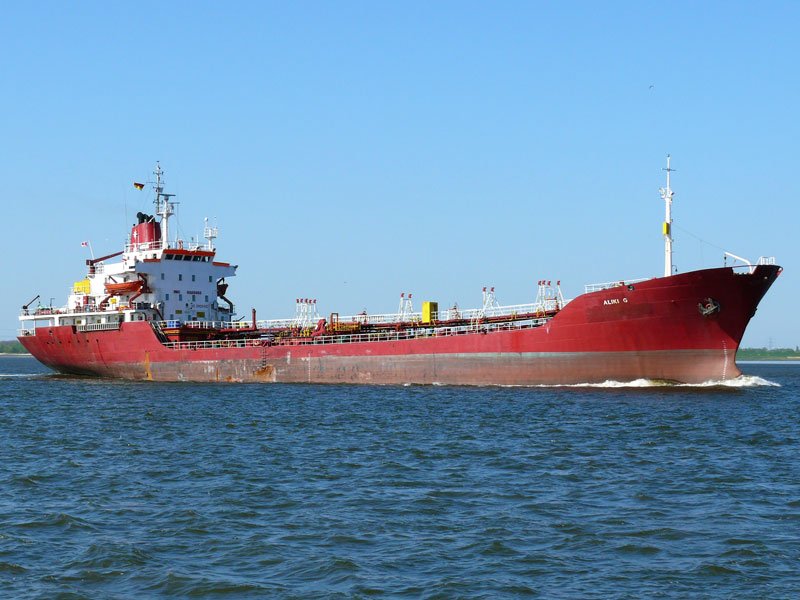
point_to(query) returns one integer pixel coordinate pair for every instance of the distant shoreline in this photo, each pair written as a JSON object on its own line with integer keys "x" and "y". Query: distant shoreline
{"x": 756, "y": 359}
{"x": 761, "y": 354}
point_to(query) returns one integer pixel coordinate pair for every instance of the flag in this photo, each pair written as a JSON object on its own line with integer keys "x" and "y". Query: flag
{"x": 138, "y": 186}
{"x": 84, "y": 244}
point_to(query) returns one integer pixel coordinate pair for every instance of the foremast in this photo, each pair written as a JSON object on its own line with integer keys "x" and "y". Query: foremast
{"x": 666, "y": 195}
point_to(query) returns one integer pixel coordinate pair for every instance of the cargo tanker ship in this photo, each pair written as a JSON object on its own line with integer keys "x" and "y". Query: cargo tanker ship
{"x": 158, "y": 310}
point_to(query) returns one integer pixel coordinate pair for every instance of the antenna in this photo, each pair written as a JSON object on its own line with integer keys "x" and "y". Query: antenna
{"x": 209, "y": 233}
{"x": 667, "y": 194}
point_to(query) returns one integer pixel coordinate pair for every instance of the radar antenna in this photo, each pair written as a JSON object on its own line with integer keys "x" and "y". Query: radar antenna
{"x": 164, "y": 207}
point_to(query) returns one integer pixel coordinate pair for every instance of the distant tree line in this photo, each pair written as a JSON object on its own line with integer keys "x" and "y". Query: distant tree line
{"x": 12, "y": 347}
{"x": 769, "y": 354}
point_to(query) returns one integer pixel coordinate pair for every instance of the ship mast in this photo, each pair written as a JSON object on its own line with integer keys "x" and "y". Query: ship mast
{"x": 164, "y": 208}
{"x": 666, "y": 194}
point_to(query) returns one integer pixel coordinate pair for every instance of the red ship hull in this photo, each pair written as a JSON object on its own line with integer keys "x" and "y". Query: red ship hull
{"x": 654, "y": 329}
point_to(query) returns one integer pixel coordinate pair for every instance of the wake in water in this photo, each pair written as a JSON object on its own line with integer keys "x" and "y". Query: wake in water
{"x": 743, "y": 381}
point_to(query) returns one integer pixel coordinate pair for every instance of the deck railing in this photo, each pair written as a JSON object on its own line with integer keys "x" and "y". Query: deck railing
{"x": 596, "y": 287}
{"x": 449, "y": 314}
{"x": 97, "y": 327}
{"x": 382, "y": 336}
{"x": 160, "y": 245}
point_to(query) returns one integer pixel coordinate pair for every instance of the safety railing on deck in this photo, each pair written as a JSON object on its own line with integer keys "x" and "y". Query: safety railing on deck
{"x": 746, "y": 264}
{"x": 83, "y": 309}
{"x": 177, "y": 245}
{"x": 382, "y": 336}
{"x": 210, "y": 324}
{"x": 448, "y": 314}
{"x": 596, "y": 287}
{"x": 144, "y": 246}
{"x": 42, "y": 312}
{"x": 172, "y": 324}
{"x": 97, "y": 327}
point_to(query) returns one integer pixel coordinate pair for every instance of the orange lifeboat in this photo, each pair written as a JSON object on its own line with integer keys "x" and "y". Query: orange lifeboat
{"x": 125, "y": 287}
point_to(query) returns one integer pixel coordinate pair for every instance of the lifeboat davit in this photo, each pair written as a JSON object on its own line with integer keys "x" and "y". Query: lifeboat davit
{"x": 125, "y": 287}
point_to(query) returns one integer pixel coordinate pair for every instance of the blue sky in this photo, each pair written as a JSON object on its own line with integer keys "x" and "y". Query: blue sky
{"x": 351, "y": 151}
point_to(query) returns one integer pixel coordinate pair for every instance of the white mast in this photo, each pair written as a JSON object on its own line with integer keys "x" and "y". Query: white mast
{"x": 164, "y": 207}
{"x": 666, "y": 194}
{"x": 210, "y": 233}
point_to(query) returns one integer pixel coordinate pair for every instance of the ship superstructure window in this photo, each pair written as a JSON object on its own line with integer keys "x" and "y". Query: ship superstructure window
{"x": 162, "y": 276}
{"x": 193, "y": 298}
{"x": 180, "y": 296}
{"x": 192, "y": 277}
{"x": 167, "y": 298}
{"x": 180, "y": 277}
{"x": 209, "y": 279}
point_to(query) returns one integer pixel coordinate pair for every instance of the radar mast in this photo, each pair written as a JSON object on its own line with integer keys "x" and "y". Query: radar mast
{"x": 164, "y": 207}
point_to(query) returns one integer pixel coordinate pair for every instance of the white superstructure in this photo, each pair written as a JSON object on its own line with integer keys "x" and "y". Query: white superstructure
{"x": 154, "y": 279}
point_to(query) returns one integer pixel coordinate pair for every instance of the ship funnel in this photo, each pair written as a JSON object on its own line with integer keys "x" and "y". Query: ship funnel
{"x": 145, "y": 232}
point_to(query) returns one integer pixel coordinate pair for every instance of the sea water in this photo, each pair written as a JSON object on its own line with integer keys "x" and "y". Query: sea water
{"x": 112, "y": 489}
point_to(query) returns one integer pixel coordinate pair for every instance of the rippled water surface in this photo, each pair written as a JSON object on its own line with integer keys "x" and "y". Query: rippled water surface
{"x": 121, "y": 490}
